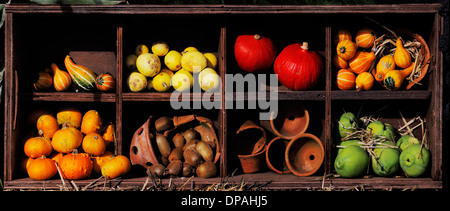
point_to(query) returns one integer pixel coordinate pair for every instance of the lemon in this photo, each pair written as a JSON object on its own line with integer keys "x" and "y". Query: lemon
{"x": 137, "y": 82}
{"x": 161, "y": 82}
{"x": 168, "y": 72}
{"x": 208, "y": 79}
{"x": 141, "y": 49}
{"x": 193, "y": 61}
{"x": 189, "y": 49}
{"x": 173, "y": 60}
{"x": 148, "y": 64}
{"x": 130, "y": 61}
{"x": 211, "y": 60}
{"x": 182, "y": 80}
{"x": 160, "y": 48}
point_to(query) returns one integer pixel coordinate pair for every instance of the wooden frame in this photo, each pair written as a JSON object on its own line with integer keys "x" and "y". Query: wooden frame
{"x": 430, "y": 97}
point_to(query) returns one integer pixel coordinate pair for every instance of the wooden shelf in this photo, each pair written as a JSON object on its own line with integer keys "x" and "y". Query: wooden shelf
{"x": 71, "y": 97}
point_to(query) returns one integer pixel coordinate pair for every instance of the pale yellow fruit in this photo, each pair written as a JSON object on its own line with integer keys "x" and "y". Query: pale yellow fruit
{"x": 182, "y": 80}
{"x": 160, "y": 48}
{"x": 208, "y": 79}
{"x": 173, "y": 60}
{"x": 130, "y": 61}
{"x": 148, "y": 64}
{"x": 141, "y": 49}
{"x": 211, "y": 60}
{"x": 149, "y": 84}
{"x": 161, "y": 82}
{"x": 193, "y": 61}
{"x": 189, "y": 49}
{"x": 170, "y": 72}
{"x": 137, "y": 82}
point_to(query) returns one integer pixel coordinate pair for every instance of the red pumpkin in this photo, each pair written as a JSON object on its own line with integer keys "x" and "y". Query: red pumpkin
{"x": 105, "y": 82}
{"x": 254, "y": 53}
{"x": 298, "y": 68}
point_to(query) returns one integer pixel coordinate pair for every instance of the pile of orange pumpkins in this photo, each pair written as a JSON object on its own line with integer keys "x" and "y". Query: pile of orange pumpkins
{"x": 73, "y": 144}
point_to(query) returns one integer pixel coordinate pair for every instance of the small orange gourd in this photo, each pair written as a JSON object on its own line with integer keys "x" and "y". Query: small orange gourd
{"x": 37, "y": 146}
{"x": 75, "y": 165}
{"x": 109, "y": 136}
{"x": 361, "y": 62}
{"x": 393, "y": 80}
{"x": 93, "y": 144}
{"x": 42, "y": 168}
{"x": 401, "y": 55}
{"x": 69, "y": 116}
{"x": 364, "y": 81}
{"x": 339, "y": 62}
{"x": 384, "y": 65}
{"x": 61, "y": 79}
{"x": 92, "y": 122}
{"x": 44, "y": 81}
{"x": 345, "y": 79}
{"x": 105, "y": 82}
{"x": 365, "y": 38}
{"x": 98, "y": 161}
{"x": 67, "y": 139}
{"x": 116, "y": 166}
{"x": 344, "y": 34}
{"x": 346, "y": 49}
{"x": 47, "y": 125}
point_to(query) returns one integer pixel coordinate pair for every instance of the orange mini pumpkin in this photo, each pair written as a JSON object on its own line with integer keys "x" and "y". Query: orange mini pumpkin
{"x": 67, "y": 139}
{"x": 98, "y": 161}
{"x": 345, "y": 79}
{"x": 37, "y": 146}
{"x": 93, "y": 144}
{"x": 364, "y": 81}
{"x": 70, "y": 116}
{"x": 44, "y": 81}
{"x": 339, "y": 62}
{"x": 346, "y": 49}
{"x": 361, "y": 62}
{"x": 365, "y": 38}
{"x": 75, "y": 165}
{"x": 105, "y": 82}
{"x": 92, "y": 122}
{"x": 42, "y": 168}
{"x": 344, "y": 34}
{"x": 116, "y": 166}
{"x": 110, "y": 134}
{"x": 47, "y": 125}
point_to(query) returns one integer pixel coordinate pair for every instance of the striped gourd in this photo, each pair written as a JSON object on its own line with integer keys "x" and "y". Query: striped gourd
{"x": 365, "y": 38}
{"x": 83, "y": 77}
{"x": 105, "y": 82}
{"x": 61, "y": 79}
{"x": 43, "y": 82}
{"x": 361, "y": 62}
{"x": 345, "y": 79}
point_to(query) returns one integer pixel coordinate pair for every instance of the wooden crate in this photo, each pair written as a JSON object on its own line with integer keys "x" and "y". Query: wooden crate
{"x": 102, "y": 36}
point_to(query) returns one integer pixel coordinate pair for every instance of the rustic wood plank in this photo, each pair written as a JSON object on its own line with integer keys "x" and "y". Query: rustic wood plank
{"x": 71, "y": 96}
{"x": 381, "y": 95}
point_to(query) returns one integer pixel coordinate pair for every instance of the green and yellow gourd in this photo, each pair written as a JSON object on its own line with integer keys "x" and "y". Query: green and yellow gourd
{"x": 394, "y": 78}
{"x": 83, "y": 77}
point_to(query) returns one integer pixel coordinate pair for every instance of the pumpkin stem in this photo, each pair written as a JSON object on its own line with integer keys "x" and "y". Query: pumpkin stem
{"x": 257, "y": 37}
{"x": 74, "y": 151}
{"x": 305, "y": 45}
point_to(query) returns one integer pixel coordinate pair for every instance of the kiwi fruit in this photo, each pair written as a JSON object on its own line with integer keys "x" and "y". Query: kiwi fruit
{"x": 163, "y": 123}
{"x": 188, "y": 170}
{"x": 190, "y": 144}
{"x": 206, "y": 170}
{"x": 204, "y": 150}
{"x": 174, "y": 168}
{"x": 192, "y": 157}
{"x": 176, "y": 154}
{"x": 163, "y": 145}
{"x": 190, "y": 134}
{"x": 178, "y": 140}
{"x": 157, "y": 170}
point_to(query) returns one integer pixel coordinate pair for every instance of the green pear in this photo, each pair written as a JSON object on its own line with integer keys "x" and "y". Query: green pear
{"x": 406, "y": 140}
{"x": 376, "y": 128}
{"x": 347, "y": 124}
{"x": 386, "y": 162}
{"x": 348, "y": 143}
{"x": 352, "y": 161}
{"x": 389, "y": 132}
{"x": 414, "y": 161}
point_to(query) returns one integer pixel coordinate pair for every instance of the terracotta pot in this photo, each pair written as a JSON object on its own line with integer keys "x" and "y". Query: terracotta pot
{"x": 249, "y": 139}
{"x": 254, "y": 162}
{"x": 141, "y": 149}
{"x": 304, "y": 154}
{"x": 275, "y": 155}
{"x": 292, "y": 120}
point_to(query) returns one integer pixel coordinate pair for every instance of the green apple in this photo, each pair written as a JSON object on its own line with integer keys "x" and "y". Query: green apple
{"x": 406, "y": 140}
{"x": 352, "y": 161}
{"x": 386, "y": 162}
{"x": 414, "y": 161}
{"x": 347, "y": 124}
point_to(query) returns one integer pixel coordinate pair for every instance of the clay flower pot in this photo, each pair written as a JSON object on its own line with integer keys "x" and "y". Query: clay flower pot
{"x": 275, "y": 151}
{"x": 141, "y": 149}
{"x": 254, "y": 162}
{"x": 292, "y": 120}
{"x": 304, "y": 154}
{"x": 249, "y": 139}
